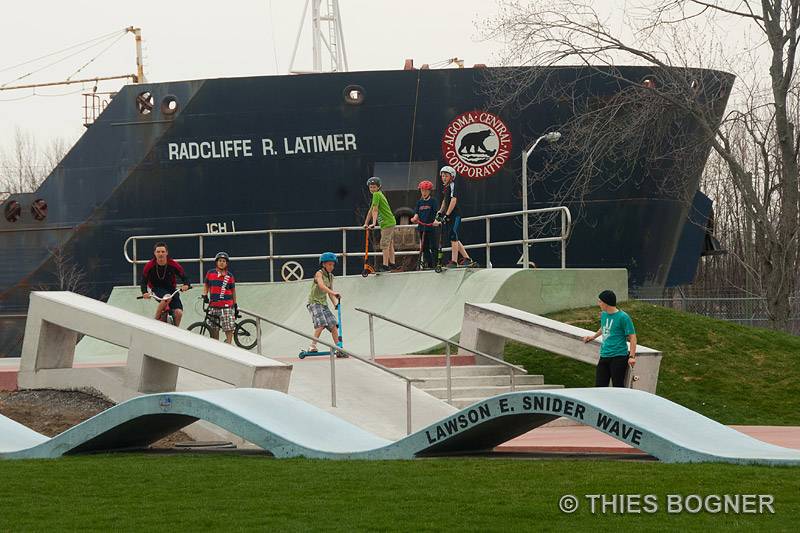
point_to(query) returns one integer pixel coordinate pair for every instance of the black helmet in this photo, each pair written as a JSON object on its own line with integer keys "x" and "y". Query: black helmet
{"x": 374, "y": 180}
{"x": 222, "y": 255}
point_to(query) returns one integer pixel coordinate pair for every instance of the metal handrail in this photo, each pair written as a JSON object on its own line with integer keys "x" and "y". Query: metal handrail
{"x": 512, "y": 367}
{"x": 334, "y": 348}
{"x": 566, "y": 229}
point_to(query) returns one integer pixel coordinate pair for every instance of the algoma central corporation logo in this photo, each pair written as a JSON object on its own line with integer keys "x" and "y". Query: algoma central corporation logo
{"x": 477, "y": 144}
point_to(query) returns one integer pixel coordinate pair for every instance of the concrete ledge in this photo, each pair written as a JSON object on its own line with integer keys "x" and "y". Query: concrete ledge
{"x": 486, "y": 328}
{"x": 155, "y": 350}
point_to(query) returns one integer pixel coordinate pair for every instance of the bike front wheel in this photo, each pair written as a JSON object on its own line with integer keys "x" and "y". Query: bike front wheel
{"x": 246, "y": 333}
{"x": 200, "y": 328}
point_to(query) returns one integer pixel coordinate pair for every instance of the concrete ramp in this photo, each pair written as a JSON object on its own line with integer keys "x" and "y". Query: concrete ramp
{"x": 287, "y": 427}
{"x": 153, "y": 351}
{"x": 434, "y": 302}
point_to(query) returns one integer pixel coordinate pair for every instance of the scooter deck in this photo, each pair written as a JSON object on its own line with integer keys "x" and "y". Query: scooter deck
{"x": 305, "y": 353}
{"x": 366, "y": 274}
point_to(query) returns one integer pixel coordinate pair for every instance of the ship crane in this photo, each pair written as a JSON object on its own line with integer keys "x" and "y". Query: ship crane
{"x": 91, "y": 106}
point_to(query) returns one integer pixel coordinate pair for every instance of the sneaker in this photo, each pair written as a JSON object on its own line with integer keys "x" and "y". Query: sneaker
{"x": 313, "y": 349}
{"x": 467, "y": 262}
{"x": 384, "y": 268}
{"x": 451, "y": 264}
{"x": 392, "y": 266}
{"x": 341, "y": 355}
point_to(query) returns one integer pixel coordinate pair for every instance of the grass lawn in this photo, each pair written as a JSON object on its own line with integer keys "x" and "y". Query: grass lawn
{"x": 730, "y": 373}
{"x": 733, "y": 374}
{"x": 203, "y": 492}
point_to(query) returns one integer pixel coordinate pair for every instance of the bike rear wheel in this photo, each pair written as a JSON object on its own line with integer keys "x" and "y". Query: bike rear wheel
{"x": 246, "y": 333}
{"x": 200, "y": 328}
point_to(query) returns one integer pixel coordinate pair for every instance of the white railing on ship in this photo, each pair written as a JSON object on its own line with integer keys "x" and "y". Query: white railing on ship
{"x": 566, "y": 226}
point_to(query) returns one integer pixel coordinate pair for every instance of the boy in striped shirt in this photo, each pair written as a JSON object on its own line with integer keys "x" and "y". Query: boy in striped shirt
{"x": 219, "y": 292}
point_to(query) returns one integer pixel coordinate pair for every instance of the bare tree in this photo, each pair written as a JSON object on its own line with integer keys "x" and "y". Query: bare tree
{"x": 756, "y": 142}
{"x": 69, "y": 276}
{"x": 27, "y": 165}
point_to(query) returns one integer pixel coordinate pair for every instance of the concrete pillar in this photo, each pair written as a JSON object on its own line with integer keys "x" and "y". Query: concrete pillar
{"x": 472, "y": 336}
{"x": 146, "y": 374}
{"x": 56, "y": 346}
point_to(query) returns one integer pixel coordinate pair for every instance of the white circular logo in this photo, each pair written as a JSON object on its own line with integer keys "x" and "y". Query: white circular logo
{"x": 476, "y": 144}
{"x": 292, "y": 271}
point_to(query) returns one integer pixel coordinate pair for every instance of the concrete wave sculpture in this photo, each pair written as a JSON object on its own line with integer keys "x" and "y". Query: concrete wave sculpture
{"x": 288, "y": 427}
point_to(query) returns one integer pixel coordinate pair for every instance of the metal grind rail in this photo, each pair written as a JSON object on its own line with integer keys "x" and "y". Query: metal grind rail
{"x": 512, "y": 369}
{"x": 272, "y": 256}
{"x": 333, "y": 349}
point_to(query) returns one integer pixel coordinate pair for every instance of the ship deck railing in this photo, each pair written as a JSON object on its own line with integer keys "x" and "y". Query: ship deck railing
{"x": 345, "y": 251}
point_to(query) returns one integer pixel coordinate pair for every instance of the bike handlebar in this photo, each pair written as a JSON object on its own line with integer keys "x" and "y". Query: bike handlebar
{"x": 161, "y": 298}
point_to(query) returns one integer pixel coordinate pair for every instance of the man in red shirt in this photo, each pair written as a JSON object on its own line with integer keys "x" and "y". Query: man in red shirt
{"x": 219, "y": 292}
{"x": 160, "y": 275}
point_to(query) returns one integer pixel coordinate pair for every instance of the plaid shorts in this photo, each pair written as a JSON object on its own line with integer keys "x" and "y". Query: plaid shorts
{"x": 321, "y": 316}
{"x": 226, "y": 318}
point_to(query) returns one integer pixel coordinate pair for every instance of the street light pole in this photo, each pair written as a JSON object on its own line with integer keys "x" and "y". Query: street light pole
{"x": 553, "y": 136}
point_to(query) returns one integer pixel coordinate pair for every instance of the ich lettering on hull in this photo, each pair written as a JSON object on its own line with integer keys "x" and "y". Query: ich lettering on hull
{"x": 220, "y": 227}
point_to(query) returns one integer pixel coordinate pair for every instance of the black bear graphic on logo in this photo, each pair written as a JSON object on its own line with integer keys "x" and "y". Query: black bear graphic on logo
{"x": 473, "y": 142}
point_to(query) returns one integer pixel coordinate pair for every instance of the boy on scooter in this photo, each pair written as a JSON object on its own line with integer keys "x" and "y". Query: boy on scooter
{"x": 424, "y": 217}
{"x": 450, "y": 215}
{"x": 381, "y": 214}
{"x": 321, "y": 290}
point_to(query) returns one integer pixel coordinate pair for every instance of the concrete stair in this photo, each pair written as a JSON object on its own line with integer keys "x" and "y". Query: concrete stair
{"x": 470, "y": 382}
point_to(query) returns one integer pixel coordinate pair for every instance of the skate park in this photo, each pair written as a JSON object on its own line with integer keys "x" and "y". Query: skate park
{"x": 164, "y": 378}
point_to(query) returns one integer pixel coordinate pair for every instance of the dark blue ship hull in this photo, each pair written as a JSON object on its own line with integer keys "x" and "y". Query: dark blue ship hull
{"x": 292, "y": 151}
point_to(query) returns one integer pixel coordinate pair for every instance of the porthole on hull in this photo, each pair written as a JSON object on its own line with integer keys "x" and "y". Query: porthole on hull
{"x": 169, "y": 105}
{"x": 354, "y": 94}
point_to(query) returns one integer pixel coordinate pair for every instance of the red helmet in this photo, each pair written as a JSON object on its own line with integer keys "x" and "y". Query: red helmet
{"x": 425, "y": 185}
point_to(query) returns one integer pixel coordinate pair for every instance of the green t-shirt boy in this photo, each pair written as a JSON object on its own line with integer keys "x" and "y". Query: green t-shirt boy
{"x": 385, "y": 216}
{"x": 615, "y": 329}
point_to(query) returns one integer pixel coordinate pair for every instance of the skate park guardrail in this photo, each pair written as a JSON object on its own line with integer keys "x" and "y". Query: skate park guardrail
{"x": 333, "y": 349}
{"x": 512, "y": 369}
{"x": 564, "y": 233}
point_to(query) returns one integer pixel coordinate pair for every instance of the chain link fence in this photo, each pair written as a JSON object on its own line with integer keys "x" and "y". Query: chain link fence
{"x": 748, "y": 311}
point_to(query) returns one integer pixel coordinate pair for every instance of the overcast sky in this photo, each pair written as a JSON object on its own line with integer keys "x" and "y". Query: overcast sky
{"x": 208, "y": 38}
{"x": 189, "y": 39}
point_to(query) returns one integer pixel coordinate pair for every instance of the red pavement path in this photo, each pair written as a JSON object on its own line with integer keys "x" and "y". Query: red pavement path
{"x": 584, "y": 439}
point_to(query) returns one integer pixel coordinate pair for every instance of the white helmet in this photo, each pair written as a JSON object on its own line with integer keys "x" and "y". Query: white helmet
{"x": 450, "y": 170}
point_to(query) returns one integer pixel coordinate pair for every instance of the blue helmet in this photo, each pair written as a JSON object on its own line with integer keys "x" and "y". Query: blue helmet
{"x": 328, "y": 256}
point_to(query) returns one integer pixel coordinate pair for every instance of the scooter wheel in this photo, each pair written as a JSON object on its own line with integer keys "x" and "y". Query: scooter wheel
{"x": 365, "y": 272}
{"x": 302, "y": 355}
{"x": 438, "y": 269}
